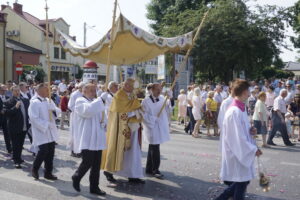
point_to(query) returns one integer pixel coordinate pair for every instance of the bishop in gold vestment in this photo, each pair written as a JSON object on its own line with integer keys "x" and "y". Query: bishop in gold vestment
{"x": 123, "y": 154}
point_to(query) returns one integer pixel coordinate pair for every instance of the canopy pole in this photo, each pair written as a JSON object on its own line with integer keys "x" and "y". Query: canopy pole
{"x": 120, "y": 73}
{"x": 110, "y": 45}
{"x": 48, "y": 57}
{"x": 183, "y": 63}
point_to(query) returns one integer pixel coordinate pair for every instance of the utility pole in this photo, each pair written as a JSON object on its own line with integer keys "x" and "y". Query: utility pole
{"x": 84, "y": 34}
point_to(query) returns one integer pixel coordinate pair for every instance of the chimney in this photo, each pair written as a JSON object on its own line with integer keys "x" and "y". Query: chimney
{"x": 18, "y": 8}
{"x": 3, "y": 7}
{"x": 3, "y": 17}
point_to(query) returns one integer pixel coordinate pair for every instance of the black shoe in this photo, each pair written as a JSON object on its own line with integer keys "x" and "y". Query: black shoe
{"x": 110, "y": 177}
{"x": 97, "y": 191}
{"x": 18, "y": 166}
{"x": 290, "y": 144}
{"x": 35, "y": 174}
{"x": 22, "y": 161}
{"x": 50, "y": 177}
{"x": 158, "y": 175}
{"x": 76, "y": 184}
{"x": 136, "y": 181}
{"x": 186, "y": 130}
{"x": 271, "y": 143}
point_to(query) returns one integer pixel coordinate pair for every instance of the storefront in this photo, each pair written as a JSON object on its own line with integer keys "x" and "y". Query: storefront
{"x": 61, "y": 71}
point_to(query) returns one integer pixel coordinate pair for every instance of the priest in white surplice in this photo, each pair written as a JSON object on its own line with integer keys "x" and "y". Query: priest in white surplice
{"x": 42, "y": 114}
{"x": 91, "y": 139}
{"x": 238, "y": 145}
{"x": 124, "y": 156}
{"x": 155, "y": 128}
{"x": 73, "y": 118}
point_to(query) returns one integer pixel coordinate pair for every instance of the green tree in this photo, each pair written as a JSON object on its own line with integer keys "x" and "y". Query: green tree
{"x": 233, "y": 37}
{"x": 40, "y": 73}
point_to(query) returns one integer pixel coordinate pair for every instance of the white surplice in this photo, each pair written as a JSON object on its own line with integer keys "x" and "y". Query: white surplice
{"x": 90, "y": 125}
{"x": 43, "y": 129}
{"x": 107, "y": 98}
{"x": 71, "y": 106}
{"x": 155, "y": 129}
{"x": 238, "y": 147}
{"x": 132, "y": 162}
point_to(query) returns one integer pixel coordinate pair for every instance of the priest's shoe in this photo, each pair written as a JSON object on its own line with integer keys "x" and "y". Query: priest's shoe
{"x": 50, "y": 177}
{"x": 290, "y": 144}
{"x": 35, "y": 174}
{"x": 136, "y": 181}
{"x": 110, "y": 177}
{"x": 76, "y": 184}
{"x": 158, "y": 175}
{"x": 18, "y": 166}
{"x": 97, "y": 191}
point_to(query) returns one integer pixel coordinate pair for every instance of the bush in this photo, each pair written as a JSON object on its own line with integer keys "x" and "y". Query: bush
{"x": 40, "y": 73}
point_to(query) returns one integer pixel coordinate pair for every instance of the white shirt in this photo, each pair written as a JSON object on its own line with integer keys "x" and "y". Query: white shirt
{"x": 218, "y": 97}
{"x": 62, "y": 87}
{"x": 290, "y": 96}
{"x": 238, "y": 147}
{"x": 280, "y": 104}
{"x": 197, "y": 105}
{"x": 107, "y": 98}
{"x": 43, "y": 129}
{"x": 190, "y": 97}
{"x": 91, "y": 130}
{"x": 223, "y": 108}
{"x": 155, "y": 129}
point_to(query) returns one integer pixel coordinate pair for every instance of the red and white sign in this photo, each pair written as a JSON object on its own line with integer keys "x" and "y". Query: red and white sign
{"x": 19, "y": 68}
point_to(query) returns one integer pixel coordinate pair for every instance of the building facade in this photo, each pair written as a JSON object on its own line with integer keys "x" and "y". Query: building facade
{"x": 28, "y": 30}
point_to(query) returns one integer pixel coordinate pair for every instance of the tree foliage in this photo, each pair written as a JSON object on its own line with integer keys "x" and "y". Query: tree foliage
{"x": 233, "y": 38}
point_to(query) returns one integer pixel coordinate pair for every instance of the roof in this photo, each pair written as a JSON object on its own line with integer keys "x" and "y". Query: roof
{"x": 17, "y": 46}
{"x": 54, "y": 20}
{"x": 292, "y": 66}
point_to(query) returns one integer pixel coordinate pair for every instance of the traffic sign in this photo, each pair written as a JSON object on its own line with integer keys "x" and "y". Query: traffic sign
{"x": 19, "y": 68}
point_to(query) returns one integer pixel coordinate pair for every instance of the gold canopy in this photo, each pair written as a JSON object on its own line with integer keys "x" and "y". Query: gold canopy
{"x": 130, "y": 45}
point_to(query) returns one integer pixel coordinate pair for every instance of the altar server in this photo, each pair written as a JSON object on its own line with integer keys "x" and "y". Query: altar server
{"x": 42, "y": 114}
{"x": 91, "y": 139}
{"x": 155, "y": 128}
{"x": 71, "y": 106}
{"x": 238, "y": 145}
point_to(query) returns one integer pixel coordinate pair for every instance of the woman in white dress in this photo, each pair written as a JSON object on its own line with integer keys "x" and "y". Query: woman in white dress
{"x": 197, "y": 107}
{"x": 182, "y": 107}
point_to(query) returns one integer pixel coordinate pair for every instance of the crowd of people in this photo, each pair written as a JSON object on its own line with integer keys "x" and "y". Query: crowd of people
{"x": 91, "y": 112}
{"x": 106, "y": 124}
{"x": 273, "y": 107}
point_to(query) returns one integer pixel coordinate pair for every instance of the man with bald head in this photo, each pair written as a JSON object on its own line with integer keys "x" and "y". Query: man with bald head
{"x": 123, "y": 155}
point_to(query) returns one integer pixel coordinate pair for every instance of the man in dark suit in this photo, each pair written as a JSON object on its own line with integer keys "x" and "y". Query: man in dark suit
{"x": 16, "y": 110}
{"x": 3, "y": 119}
{"x": 24, "y": 92}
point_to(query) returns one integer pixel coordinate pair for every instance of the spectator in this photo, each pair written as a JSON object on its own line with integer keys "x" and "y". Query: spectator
{"x": 278, "y": 122}
{"x": 288, "y": 123}
{"x": 3, "y": 119}
{"x": 182, "y": 107}
{"x": 251, "y": 102}
{"x": 190, "y": 127}
{"x": 217, "y": 96}
{"x": 278, "y": 88}
{"x": 16, "y": 110}
{"x": 294, "y": 108}
{"x": 290, "y": 94}
{"x": 260, "y": 117}
{"x": 54, "y": 96}
{"x": 197, "y": 107}
{"x": 62, "y": 87}
{"x": 211, "y": 113}
{"x": 64, "y": 109}
{"x": 270, "y": 94}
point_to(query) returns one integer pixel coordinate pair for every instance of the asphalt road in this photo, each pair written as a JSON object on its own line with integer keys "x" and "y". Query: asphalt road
{"x": 191, "y": 167}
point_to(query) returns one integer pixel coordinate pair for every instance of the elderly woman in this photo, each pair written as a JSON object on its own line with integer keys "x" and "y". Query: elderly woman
{"x": 260, "y": 117}
{"x": 197, "y": 107}
{"x": 211, "y": 113}
{"x": 182, "y": 107}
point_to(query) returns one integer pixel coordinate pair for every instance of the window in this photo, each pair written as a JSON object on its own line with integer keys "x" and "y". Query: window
{"x": 56, "y": 52}
{"x": 63, "y": 54}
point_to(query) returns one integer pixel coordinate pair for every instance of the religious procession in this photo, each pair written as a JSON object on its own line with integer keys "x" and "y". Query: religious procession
{"x": 180, "y": 132}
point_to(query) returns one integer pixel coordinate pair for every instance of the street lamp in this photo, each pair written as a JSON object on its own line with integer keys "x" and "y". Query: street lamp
{"x": 85, "y": 26}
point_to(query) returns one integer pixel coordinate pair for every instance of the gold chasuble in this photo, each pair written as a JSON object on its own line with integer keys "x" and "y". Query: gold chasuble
{"x": 118, "y": 132}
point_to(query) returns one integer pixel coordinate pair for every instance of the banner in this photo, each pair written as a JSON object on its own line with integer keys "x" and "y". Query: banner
{"x": 161, "y": 73}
